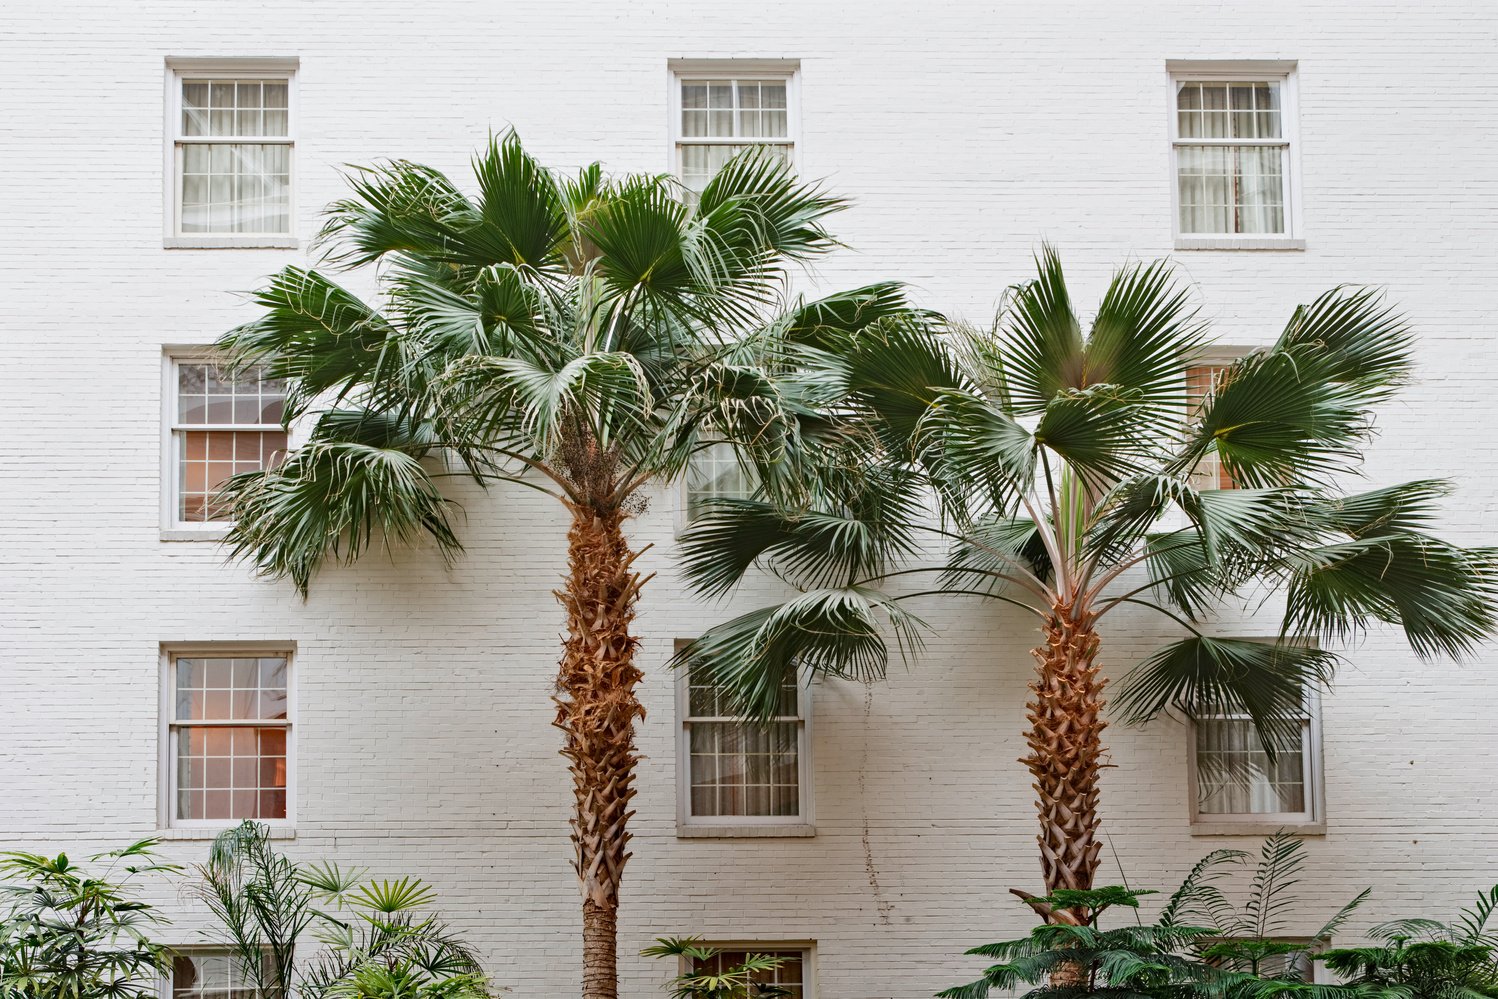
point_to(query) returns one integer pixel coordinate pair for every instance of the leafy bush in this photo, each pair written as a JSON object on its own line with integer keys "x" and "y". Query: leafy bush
{"x": 70, "y": 933}
{"x": 1252, "y": 934}
{"x": 1061, "y": 960}
{"x": 1427, "y": 959}
{"x": 376, "y": 945}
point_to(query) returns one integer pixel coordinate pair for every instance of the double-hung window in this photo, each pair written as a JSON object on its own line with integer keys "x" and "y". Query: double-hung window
{"x": 232, "y": 142}
{"x": 1232, "y": 143}
{"x": 736, "y": 771}
{"x": 228, "y": 735}
{"x": 220, "y": 423}
{"x": 721, "y": 109}
{"x": 1236, "y": 783}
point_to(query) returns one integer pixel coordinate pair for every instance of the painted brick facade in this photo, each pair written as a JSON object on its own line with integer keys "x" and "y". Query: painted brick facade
{"x": 965, "y": 133}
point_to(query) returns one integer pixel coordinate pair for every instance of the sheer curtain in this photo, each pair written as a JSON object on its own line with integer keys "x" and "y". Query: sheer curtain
{"x": 1236, "y": 777}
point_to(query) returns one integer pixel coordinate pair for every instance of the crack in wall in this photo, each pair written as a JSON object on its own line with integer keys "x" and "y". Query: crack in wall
{"x": 881, "y": 904}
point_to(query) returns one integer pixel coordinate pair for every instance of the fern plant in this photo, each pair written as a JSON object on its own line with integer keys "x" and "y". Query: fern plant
{"x": 1253, "y": 936}
{"x": 1063, "y": 960}
{"x": 1425, "y": 958}
{"x": 699, "y": 981}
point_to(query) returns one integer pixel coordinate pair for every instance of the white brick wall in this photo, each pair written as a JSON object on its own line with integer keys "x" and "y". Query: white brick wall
{"x": 966, "y": 132}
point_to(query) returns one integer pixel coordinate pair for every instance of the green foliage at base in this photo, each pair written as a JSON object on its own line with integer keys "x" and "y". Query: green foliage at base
{"x": 73, "y": 932}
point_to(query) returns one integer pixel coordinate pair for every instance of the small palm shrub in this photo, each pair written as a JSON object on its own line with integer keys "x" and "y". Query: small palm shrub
{"x": 1425, "y": 958}
{"x": 376, "y": 942}
{"x": 1253, "y": 933}
{"x": 739, "y": 981}
{"x": 1061, "y": 960}
{"x": 72, "y": 932}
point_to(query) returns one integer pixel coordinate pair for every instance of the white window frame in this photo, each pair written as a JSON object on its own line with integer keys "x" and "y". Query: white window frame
{"x": 1241, "y": 71}
{"x": 226, "y": 69}
{"x": 731, "y": 826}
{"x": 173, "y": 529}
{"x": 1311, "y": 822}
{"x": 166, "y": 820}
{"x": 681, "y": 71}
{"x": 808, "y": 949}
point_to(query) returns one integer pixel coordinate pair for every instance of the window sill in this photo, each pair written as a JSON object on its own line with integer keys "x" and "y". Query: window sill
{"x": 1214, "y": 243}
{"x": 686, "y": 830}
{"x": 1254, "y": 827}
{"x": 206, "y": 833}
{"x": 231, "y": 243}
{"x": 194, "y": 534}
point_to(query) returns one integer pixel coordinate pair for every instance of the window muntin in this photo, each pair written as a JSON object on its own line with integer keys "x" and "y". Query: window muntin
{"x": 722, "y": 115}
{"x": 223, "y": 423}
{"x": 739, "y": 769}
{"x": 228, "y": 734}
{"x": 211, "y": 974}
{"x": 1231, "y": 142}
{"x": 1201, "y": 386}
{"x": 790, "y": 976}
{"x": 233, "y": 149}
{"x": 1235, "y": 777}
{"x": 713, "y": 473}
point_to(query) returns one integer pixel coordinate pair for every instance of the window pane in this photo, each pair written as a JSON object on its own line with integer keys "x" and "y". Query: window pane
{"x": 236, "y": 188}
{"x": 210, "y": 457}
{"x": 742, "y": 769}
{"x": 1201, "y": 386}
{"x": 790, "y": 976}
{"x": 1235, "y": 776}
{"x": 211, "y": 975}
{"x": 230, "y": 688}
{"x": 1231, "y": 189}
{"x": 715, "y": 473}
{"x": 231, "y": 774}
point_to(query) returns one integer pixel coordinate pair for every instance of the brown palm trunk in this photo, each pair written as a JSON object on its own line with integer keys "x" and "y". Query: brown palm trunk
{"x": 597, "y": 709}
{"x": 1065, "y": 740}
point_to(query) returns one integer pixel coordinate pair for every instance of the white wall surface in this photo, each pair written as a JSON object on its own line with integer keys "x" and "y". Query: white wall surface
{"x": 965, "y": 133}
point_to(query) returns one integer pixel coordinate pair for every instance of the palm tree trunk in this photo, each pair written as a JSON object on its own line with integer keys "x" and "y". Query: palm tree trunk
{"x": 1065, "y": 741}
{"x": 597, "y": 709}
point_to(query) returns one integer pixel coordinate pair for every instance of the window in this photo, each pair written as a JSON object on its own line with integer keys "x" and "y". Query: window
{"x": 1232, "y": 139}
{"x": 1201, "y": 385}
{"x": 211, "y": 974}
{"x": 228, "y": 735}
{"x": 1235, "y": 781}
{"x": 220, "y": 424}
{"x": 232, "y": 143}
{"x": 715, "y": 473}
{"x": 739, "y": 772}
{"x": 723, "y": 108}
{"x": 793, "y": 975}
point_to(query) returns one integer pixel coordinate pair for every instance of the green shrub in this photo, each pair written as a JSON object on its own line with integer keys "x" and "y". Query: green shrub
{"x": 68, "y": 932}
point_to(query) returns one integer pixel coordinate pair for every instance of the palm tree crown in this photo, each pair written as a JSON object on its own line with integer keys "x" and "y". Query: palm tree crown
{"x": 1061, "y": 467}
{"x": 581, "y": 336}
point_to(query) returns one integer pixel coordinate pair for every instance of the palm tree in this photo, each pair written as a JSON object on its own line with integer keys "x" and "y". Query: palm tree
{"x": 581, "y": 336}
{"x": 1057, "y": 461}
